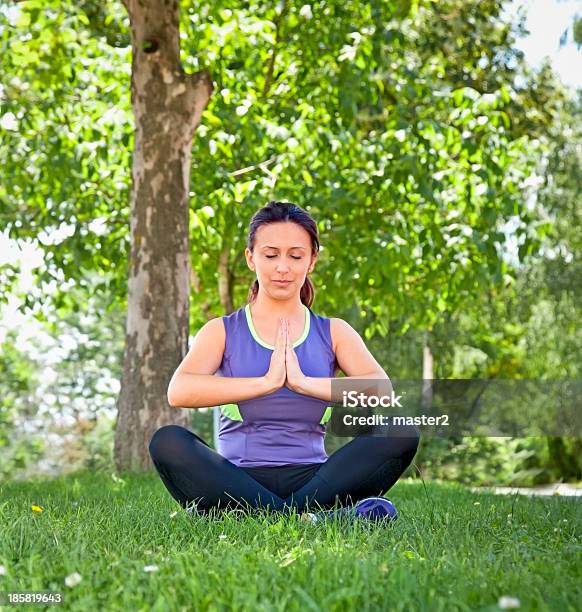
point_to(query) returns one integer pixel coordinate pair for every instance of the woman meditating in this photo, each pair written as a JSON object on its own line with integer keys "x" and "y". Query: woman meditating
{"x": 269, "y": 365}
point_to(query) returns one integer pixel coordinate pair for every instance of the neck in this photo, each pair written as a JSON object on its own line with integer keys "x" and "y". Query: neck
{"x": 263, "y": 304}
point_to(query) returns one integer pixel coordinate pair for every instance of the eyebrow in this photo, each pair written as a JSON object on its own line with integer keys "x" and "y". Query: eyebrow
{"x": 277, "y": 248}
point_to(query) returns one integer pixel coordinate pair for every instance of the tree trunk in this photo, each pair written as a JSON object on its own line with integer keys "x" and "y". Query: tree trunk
{"x": 167, "y": 105}
{"x": 427, "y": 374}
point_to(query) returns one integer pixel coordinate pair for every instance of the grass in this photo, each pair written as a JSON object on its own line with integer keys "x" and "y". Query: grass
{"x": 451, "y": 549}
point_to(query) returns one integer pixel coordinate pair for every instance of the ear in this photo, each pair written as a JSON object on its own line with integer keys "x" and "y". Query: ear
{"x": 312, "y": 264}
{"x": 249, "y": 258}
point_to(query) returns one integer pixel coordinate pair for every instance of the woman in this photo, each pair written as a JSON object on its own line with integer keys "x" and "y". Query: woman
{"x": 269, "y": 365}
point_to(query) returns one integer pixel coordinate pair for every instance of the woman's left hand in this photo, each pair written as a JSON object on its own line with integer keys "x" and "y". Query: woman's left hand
{"x": 295, "y": 377}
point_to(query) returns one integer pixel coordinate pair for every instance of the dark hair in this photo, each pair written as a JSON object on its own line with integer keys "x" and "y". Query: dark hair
{"x": 275, "y": 212}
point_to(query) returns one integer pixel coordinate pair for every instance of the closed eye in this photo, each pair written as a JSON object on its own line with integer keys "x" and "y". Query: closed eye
{"x": 292, "y": 256}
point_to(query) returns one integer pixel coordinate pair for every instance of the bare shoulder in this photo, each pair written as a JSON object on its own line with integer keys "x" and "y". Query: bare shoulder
{"x": 351, "y": 352}
{"x": 207, "y": 349}
{"x": 212, "y": 332}
{"x": 214, "y": 327}
{"x": 340, "y": 330}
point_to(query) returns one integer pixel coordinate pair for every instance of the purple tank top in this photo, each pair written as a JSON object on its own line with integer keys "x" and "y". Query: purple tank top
{"x": 282, "y": 427}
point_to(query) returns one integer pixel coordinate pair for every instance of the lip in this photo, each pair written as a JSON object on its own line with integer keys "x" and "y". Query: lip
{"x": 282, "y": 283}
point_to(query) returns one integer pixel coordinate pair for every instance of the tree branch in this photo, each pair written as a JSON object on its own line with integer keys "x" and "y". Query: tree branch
{"x": 261, "y": 165}
{"x": 271, "y": 65}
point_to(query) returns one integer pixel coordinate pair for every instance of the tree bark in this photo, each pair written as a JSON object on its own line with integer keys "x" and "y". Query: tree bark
{"x": 167, "y": 105}
{"x": 427, "y": 373}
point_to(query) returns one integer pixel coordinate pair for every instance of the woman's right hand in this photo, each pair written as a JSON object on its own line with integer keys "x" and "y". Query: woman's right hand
{"x": 277, "y": 374}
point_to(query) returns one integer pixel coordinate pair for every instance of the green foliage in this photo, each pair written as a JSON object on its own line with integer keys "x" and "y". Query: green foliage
{"x": 91, "y": 447}
{"x": 82, "y": 384}
{"x": 433, "y": 159}
{"x": 408, "y": 129}
{"x": 410, "y": 157}
{"x": 19, "y": 377}
{"x": 67, "y": 145}
{"x": 18, "y": 371}
{"x": 480, "y": 461}
{"x": 201, "y": 422}
{"x": 90, "y": 367}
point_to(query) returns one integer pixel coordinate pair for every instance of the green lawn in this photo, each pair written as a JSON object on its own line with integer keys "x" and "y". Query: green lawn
{"x": 451, "y": 549}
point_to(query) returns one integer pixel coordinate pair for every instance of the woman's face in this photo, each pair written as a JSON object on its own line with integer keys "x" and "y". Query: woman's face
{"x": 282, "y": 252}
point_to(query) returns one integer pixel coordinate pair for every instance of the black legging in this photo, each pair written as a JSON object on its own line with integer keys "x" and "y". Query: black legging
{"x": 196, "y": 475}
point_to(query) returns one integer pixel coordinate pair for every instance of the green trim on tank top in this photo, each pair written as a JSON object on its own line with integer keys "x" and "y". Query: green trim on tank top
{"x": 231, "y": 411}
{"x": 270, "y": 346}
{"x": 326, "y": 415}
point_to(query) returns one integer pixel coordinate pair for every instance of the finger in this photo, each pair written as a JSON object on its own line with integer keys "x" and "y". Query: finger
{"x": 282, "y": 335}
{"x": 287, "y": 344}
{"x": 289, "y": 333}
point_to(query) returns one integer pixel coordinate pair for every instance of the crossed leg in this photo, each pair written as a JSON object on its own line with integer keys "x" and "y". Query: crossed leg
{"x": 367, "y": 465}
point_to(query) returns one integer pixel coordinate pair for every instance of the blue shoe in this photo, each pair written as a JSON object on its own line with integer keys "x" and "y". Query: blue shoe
{"x": 376, "y": 509}
{"x": 369, "y": 508}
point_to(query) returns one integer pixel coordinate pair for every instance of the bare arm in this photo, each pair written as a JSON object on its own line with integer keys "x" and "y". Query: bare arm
{"x": 194, "y": 384}
{"x": 354, "y": 360}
